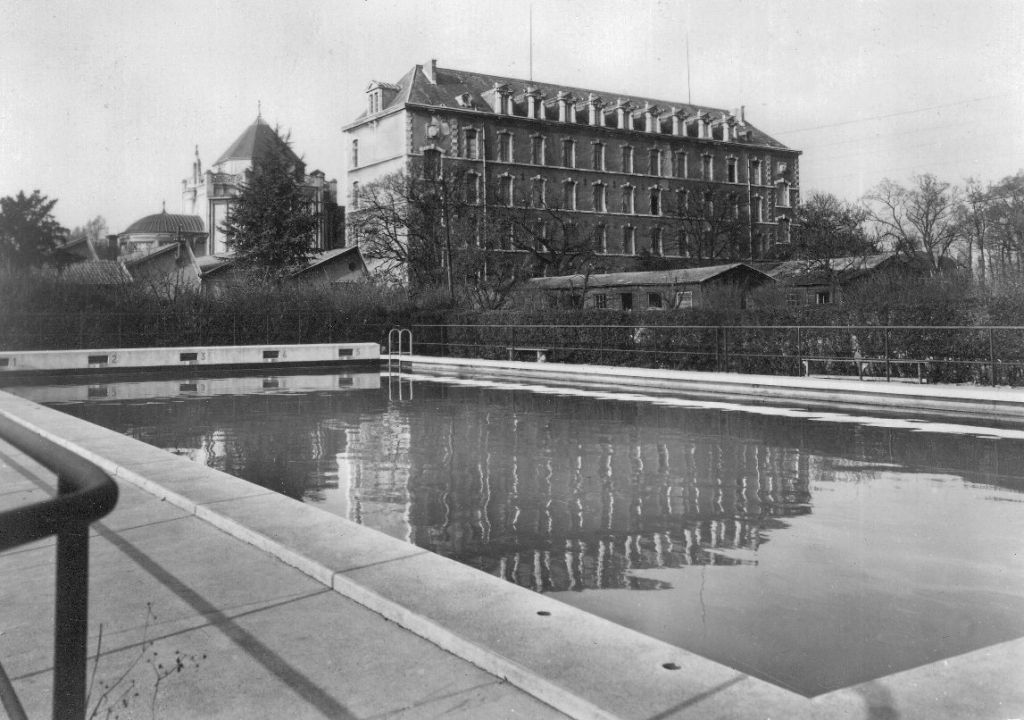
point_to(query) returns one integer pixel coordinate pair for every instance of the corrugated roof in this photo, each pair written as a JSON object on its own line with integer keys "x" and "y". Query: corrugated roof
{"x": 165, "y": 222}
{"x": 96, "y": 272}
{"x": 258, "y": 141}
{"x": 684, "y": 276}
{"x": 325, "y": 256}
{"x": 414, "y": 87}
{"x": 812, "y": 272}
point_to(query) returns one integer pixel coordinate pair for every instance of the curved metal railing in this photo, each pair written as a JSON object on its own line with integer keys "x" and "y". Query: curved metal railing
{"x": 84, "y": 494}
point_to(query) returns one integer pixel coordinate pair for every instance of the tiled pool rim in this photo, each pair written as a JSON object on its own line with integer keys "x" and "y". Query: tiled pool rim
{"x": 579, "y": 664}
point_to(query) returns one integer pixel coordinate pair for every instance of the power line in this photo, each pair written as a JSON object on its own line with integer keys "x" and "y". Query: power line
{"x": 889, "y": 115}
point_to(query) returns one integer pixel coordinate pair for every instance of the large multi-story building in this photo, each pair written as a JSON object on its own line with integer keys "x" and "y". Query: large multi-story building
{"x": 636, "y": 174}
{"x": 209, "y": 194}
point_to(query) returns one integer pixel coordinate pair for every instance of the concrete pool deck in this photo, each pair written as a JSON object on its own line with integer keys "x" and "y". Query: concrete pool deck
{"x": 311, "y": 637}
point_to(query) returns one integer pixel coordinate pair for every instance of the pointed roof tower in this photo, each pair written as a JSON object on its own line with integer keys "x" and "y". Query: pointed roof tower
{"x": 256, "y": 142}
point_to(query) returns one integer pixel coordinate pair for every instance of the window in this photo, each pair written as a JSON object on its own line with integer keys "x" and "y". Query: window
{"x": 657, "y": 247}
{"x": 628, "y": 199}
{"x": 684, "y": 299}
{"x": 793, "y": 299}
{"x": 755, "y": 172}
{"x": 627, "y": 159}
{"x": 540, "y": 235}
{"x": 655, "y": 201}
{"x": 505, "y": 188}
{"x": 707, "y": 169}
{"x": 355, "y": 194}
{"x": 601, "y": 238}
{"x": 709, "y": 205}
{"x": 654, "y": 300}
{"x": 627, "y": 301}
{"x": 538, "y": 192}
{"x": 756, "y": 209}
{"x": 822, "y": 297}
{"x": 655, "y": 162}
{"x": 685, "y": 244}
{"x": 472, "y": 146}
{"x": 504, "y": 147}
{"x": 537, "y": 150}
{"x": 598, "y": 156}
{"x": 682, "y": 200}
{"x": 782, "y": 200}
{"x": 431, "y": 164}
{"x": 629, "y": 240}
{"x": 569, "y": 195}
{"x": 472, "y": 188}
{"x": 601, "y": 301}
{"x": 599, "y": 197}
{"x": 680, "y": 165}
{"x": 783, "y": 236}
{"x": 730, "y": 170}
{"x": 355, "y": 153}
{"x": 568, "y": 153}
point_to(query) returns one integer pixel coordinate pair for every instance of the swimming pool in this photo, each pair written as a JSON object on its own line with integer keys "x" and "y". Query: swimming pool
{"x": 813, "y": 550}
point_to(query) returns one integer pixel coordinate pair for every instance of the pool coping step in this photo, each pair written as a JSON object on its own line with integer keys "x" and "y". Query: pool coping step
{"x": 578, "y": 663}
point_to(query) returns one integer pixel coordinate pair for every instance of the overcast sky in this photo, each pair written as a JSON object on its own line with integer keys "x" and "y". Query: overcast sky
{"x": 103, "y": 103}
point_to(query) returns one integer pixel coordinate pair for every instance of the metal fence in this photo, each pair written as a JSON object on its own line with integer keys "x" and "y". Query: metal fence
{"x": 990, "y": 355}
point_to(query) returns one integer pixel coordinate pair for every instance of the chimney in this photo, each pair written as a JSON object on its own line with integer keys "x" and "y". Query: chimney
{"x": 430, "y": 71}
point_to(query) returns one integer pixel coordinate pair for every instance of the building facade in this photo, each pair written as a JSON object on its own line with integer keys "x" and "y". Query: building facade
{"x": 635, "y": 174}
{"x": 209, "y": 194}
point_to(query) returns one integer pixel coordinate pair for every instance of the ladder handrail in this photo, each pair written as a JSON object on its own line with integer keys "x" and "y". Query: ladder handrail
{"x": 395, "y": 336}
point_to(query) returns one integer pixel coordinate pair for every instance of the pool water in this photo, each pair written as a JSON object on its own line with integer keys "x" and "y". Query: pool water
{"x": 812, "y": 550}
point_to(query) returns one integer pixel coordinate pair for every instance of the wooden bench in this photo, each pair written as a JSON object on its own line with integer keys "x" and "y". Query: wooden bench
{"x": 862, "y": 363}
{"x": 540, "y": 354}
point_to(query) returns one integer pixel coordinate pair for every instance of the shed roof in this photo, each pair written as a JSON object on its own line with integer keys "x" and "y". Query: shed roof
{"x": 684, "y": 276}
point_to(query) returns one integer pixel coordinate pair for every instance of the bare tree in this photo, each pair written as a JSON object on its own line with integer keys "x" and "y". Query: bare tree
{"x": 829, "y": 237}
{"x": 711, "y": 221}
{"x": 919, "y": 221}
{"x": 1005, "y": 213}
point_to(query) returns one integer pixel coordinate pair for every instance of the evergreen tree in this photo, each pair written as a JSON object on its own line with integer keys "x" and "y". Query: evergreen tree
{"x": 270, "y": 226}
{"x": 28, "y": 230}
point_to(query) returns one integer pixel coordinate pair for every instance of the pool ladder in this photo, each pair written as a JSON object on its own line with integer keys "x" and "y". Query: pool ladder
{"x": 399, "y": 346}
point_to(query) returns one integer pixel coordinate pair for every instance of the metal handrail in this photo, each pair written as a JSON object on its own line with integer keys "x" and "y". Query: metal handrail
{"x": 84, "y": 494}
{"x": 397, "y": 334}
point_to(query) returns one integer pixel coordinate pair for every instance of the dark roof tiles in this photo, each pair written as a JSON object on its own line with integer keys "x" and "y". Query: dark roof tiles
{"x": 258, "y": 141}
{"x": 165, "y": 222}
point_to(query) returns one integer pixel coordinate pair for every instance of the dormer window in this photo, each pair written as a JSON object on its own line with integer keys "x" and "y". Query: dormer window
{"x": 465, "y": 100}
{"x": 375, "y": 101}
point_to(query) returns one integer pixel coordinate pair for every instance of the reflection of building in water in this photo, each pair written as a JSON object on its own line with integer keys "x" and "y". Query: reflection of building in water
{"x": 376, "y": 464}
{"x": 546, "y": 502}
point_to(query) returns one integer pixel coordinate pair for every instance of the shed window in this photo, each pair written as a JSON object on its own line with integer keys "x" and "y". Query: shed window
{"x": 601, "y": 301}
{"x": 654, "y": 300}
{"x": 684, "y": 299}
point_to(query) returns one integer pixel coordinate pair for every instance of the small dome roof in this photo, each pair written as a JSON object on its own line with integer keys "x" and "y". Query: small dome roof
{"x": 165, "y": 222}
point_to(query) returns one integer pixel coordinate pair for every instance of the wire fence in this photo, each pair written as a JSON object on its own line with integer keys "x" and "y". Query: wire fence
{"x": 988, "y": 355}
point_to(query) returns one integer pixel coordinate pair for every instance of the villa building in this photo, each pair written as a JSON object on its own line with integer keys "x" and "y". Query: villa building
{"x": 209, "y": 194}
{"x": 634, "y": 173}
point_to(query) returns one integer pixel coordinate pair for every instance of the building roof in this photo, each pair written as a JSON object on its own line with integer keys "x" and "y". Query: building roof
{"x": 813, "y": 272}
{"x": 684, "y": 276}
{"x": 416, "y": 88}
{"x": 327, "y": 256}
{"x": 258, "y": 141}
{"x": 165, "y": 222}
{"x": 97, "y": 272}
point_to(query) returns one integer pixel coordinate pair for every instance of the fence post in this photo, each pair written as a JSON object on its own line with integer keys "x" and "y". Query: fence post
{"x": 992, "y": 356}
{"x": 725, "y": 348}
{"x": 799, "y": 353}
{"x": 888, "y": 371}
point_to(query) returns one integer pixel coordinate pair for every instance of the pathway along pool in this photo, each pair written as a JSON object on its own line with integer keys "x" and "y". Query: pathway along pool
{"x": 812, "y": 550}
